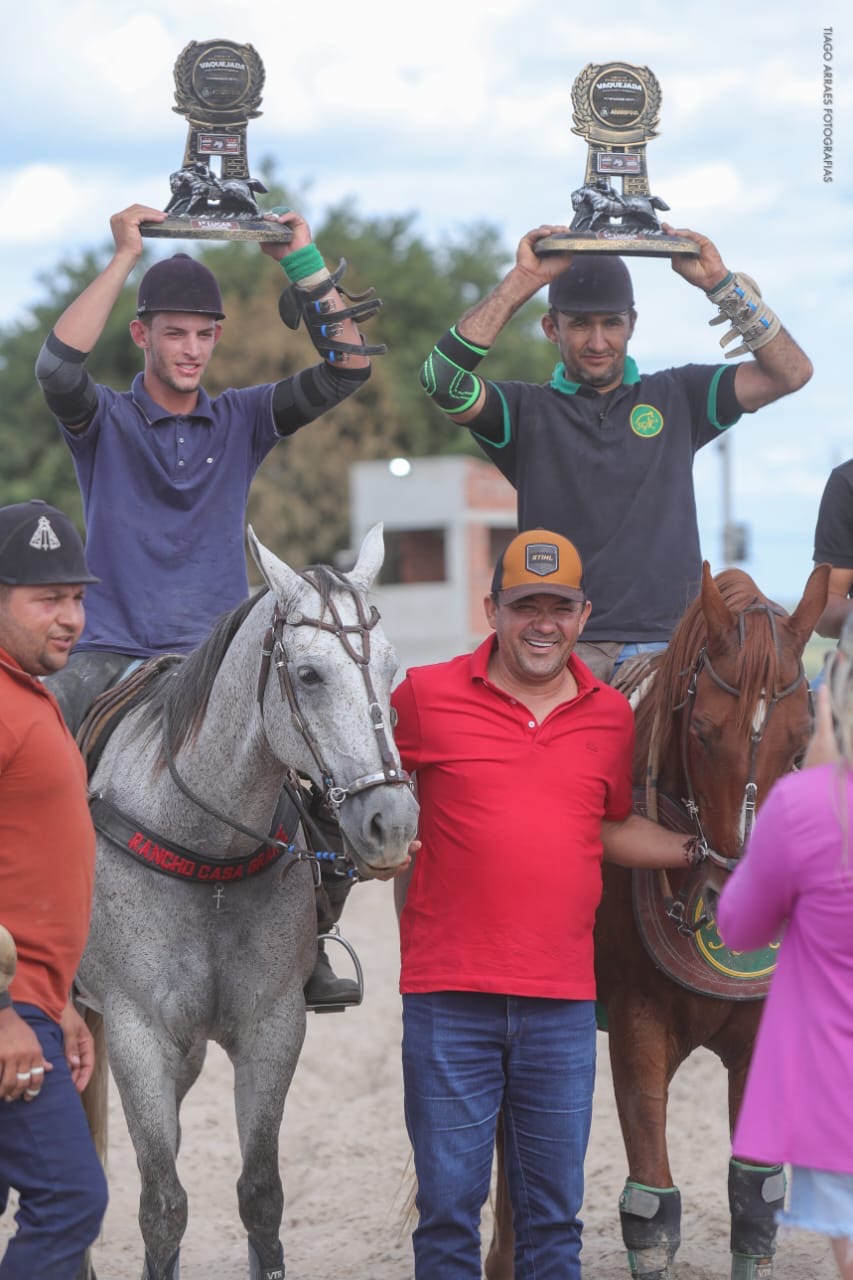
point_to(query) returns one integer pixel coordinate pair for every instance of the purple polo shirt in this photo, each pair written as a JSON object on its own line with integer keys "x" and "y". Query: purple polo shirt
{"x": 164, "y": 499}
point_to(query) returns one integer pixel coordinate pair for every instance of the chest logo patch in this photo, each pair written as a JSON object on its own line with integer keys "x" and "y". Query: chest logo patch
{"x": 646, "y": 421}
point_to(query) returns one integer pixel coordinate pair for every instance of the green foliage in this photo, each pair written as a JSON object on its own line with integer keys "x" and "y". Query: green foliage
{"x": 302, "y": 489}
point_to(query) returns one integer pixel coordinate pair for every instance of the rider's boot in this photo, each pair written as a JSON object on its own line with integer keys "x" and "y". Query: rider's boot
{"x": 651, "y": 1229}
{"x": 756, "y": 1192}
{"x": 325, "y": 992}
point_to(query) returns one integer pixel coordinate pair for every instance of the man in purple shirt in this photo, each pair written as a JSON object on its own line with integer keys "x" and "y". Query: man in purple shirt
{"x": 164, "y": 471}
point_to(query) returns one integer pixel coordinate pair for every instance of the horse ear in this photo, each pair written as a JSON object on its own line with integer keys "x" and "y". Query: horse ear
{"x": 718, "y": 615}
{"x": 803, "y": 619}
{"x": 369, "y": 560}
{"x": 278, "y": 576}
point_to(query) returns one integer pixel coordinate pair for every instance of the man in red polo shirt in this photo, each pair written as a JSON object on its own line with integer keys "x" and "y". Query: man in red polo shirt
{"x": 47, "y": 865}
{"x": 523, "y": 767}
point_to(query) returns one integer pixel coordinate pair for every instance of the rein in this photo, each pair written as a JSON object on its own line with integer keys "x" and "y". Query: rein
{"x": 676, "y": 903}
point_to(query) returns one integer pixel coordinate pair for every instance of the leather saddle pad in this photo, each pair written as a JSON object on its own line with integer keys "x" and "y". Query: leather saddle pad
{"x": 699, "y": 961}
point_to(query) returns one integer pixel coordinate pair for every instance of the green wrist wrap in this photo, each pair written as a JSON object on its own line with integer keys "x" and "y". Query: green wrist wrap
{"x": 447, "y": 374}
{"x": 302, "y": 262}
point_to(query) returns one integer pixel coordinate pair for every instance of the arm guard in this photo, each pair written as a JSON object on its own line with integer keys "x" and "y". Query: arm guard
{"x": 741, "y": 305}
{"x": 68, "y": 388}
{"x": 323, "y": 323}
{"x": 447, "y": 374}
{"x": 304, "y": 397}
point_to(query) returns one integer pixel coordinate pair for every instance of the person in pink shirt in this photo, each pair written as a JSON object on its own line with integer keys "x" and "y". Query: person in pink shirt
{"x": 796, "y": 882}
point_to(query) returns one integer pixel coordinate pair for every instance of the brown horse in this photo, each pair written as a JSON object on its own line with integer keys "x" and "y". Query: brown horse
{"x": 726, "y": 713}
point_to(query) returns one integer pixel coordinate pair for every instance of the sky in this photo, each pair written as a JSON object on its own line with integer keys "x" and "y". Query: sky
{"x": 460, "y": 112}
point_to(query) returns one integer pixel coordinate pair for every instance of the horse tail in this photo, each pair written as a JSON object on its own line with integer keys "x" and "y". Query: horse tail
{"x": 95, "y": 1093}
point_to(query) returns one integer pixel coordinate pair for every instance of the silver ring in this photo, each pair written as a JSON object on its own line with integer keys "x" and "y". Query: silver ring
{"x": 32, "y": 1093}
{"x": 23, "y": 1075}
{"x": 36, "y": 1071}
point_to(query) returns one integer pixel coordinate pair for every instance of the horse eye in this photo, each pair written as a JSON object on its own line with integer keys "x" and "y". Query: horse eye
{"x": 309, "y": 675}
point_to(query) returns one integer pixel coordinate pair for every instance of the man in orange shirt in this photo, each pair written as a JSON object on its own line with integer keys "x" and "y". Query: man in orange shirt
{"x": 47, "y": 860}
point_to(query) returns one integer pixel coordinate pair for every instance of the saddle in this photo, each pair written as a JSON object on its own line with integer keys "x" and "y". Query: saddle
{"x": 695, "y": 958}
{"x": 109, "y": 708}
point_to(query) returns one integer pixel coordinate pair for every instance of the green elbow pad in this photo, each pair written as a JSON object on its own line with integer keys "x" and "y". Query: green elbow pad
{"x": 447, "y": 373}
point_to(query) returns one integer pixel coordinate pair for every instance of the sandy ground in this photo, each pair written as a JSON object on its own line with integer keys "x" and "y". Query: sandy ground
{"x": 345, "y": 1157}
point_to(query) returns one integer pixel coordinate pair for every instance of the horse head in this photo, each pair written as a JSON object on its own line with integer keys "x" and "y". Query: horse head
{"x": 328, "y": 714}
{"x": 745, "y": 717}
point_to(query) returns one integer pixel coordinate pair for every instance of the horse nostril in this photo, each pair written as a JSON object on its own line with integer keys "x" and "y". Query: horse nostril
{"x": 376, "y": 831}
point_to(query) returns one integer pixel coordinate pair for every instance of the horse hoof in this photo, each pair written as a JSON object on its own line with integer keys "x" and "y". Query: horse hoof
{"x": 265, "y": 1264}
{"x": 170, "y": 1272}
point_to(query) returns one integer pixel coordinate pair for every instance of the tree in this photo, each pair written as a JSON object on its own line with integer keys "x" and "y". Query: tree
{"x": 300, "y": 500}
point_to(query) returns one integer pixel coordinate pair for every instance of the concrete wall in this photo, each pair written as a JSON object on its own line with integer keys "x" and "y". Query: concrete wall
{"x": 472, "y": 503}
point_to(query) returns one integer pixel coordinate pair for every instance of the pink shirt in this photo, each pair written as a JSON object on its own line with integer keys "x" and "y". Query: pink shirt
{"x": 798, "y": 1104}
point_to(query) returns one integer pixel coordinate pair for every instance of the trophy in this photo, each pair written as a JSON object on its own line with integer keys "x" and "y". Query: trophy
{"x": 218, "y": 89}
{"x": 615, "y": 107}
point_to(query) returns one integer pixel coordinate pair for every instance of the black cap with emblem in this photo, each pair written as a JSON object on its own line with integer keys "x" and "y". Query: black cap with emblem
{"x": 39, "y": 544}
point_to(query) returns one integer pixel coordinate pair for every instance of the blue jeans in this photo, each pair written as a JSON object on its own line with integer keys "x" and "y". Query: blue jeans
{"x": 466, "y": 1055}
{"x": 47, "y": 1155}
{"x": 633, "y": 650}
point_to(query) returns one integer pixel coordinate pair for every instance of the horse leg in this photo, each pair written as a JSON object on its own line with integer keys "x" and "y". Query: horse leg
{"x": 152, "y": 1076}
{"x": 264, "y": 1062}
{"x": 756, "y": 1192}
{"x": 499, "y": 1259}
{"x": 642, "y": 1049}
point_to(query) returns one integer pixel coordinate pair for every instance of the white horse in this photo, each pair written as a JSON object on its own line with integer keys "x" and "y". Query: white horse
{"x": 202, "y": 927}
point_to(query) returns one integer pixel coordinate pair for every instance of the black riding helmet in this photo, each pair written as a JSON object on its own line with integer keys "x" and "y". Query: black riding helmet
{"x": 180, "y": 283}
{"x": 38, "y": 545}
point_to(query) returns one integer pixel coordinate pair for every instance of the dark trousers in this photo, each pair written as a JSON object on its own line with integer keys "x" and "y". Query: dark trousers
{"x": 86, "y": 674}
{"x": 47, "y": 1156}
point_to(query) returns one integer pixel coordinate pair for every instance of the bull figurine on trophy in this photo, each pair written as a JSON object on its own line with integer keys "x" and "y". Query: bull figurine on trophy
{"x": 615, "y": 107}
{"x": 218, "y": 89}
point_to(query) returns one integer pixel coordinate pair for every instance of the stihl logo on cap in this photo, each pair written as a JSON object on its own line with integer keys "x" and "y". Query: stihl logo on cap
{"x": 541, "y": 558}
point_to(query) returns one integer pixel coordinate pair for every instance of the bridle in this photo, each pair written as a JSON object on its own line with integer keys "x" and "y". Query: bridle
{"x": 274, "y": 653}
{"x": 676, "y": 903}
{"x": 750, "y": 796}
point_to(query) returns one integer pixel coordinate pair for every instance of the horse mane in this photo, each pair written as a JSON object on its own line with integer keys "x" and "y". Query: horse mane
{"x": 184, "y": 690}
{"x": 757, "y": 672}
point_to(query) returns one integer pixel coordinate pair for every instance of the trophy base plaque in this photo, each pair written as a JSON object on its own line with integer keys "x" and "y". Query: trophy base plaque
{"x": 650, "y": 244}
{"x": 211, "y": 227}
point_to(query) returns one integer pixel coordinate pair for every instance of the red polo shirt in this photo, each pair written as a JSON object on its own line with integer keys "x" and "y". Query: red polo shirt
{"x": 47, "y": 841}
{"x": 505, "y": 888}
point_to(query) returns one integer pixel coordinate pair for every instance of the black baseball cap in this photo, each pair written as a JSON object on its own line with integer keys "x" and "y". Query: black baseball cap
{"x": 597, "y": 282}
{"x": 39, "y": 544}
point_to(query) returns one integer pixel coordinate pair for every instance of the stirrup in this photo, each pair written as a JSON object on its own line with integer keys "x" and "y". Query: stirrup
{"x": 335, "y": 935}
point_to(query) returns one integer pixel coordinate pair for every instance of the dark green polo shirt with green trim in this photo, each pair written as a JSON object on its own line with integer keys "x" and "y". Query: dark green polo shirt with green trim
{"x": 614, "y": 473}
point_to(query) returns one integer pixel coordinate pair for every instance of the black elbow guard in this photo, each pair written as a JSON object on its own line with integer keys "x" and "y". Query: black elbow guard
{"x": 68, "y": 389}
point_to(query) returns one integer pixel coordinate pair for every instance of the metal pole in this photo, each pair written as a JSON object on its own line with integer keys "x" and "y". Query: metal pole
{"x": 725, "y": 454}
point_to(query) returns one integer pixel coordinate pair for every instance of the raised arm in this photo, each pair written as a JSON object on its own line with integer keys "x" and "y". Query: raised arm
{"x": 778, "y": 365}
{"x": 331, "y": 319}
{"x": 448, "y": 375}
{"x": 82, "y": 323}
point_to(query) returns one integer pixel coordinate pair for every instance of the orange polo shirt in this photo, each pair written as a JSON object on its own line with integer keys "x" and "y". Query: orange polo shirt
{"x": 47, "y": 841}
